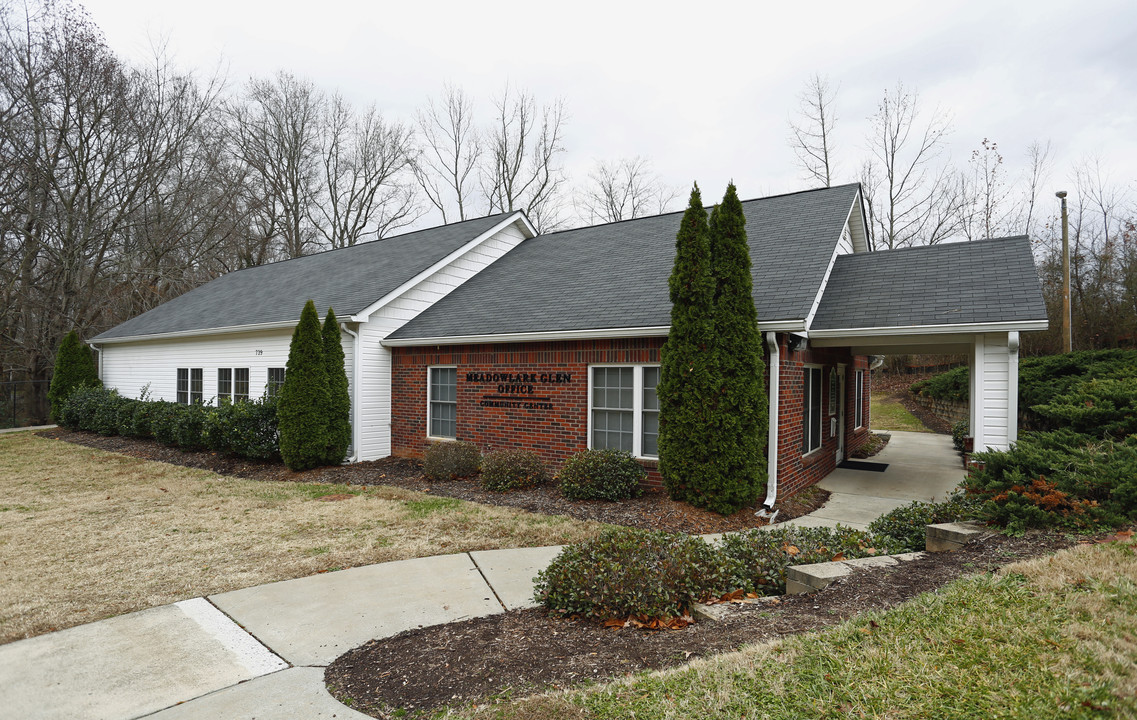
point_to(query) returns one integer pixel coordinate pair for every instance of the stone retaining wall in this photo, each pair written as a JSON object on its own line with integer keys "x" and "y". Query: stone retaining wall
{"x": 950, "y": 411}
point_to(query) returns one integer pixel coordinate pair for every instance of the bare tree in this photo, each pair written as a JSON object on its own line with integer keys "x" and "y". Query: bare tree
{"x": 276, "y": 133}
{"x": 985, "y": 210}
{"x": 522, "y": 168}
{"x": 449, "y": 153}
{"x": 364, "y": 162}
{"x": 905, "y": 188}
{"x": 623, "y": 190}
{"x": 1039, "y": 157}
{"x": 811, "y": 137}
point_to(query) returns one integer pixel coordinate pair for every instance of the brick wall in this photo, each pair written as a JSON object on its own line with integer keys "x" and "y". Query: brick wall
{"x": 554, "y": 423}
{"x": 796, "y": 471}
{"x": 554, "y": 432}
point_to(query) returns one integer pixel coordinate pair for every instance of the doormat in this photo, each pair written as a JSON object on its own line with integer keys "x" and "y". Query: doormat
{"x": 861, "y": 465}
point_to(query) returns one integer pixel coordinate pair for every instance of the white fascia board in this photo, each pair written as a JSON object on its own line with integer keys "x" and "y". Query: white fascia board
{"x": 824, "y": 281}
{"x": 515, "y": 217}
{"x": 590, "y": 334}
{"x": 659, "y": 331}
{"x": 993, "y": 327}
{"x": 255, "y": 327}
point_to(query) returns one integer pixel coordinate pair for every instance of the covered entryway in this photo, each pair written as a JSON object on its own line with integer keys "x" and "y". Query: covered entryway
{"x": 921, "y": 466}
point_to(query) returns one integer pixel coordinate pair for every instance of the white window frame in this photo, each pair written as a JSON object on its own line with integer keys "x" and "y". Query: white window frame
{"x": 806, "y": 405}
{"x": 430, "y": 400}
{"x": 189, "y": 391}
{"x": 232, "y": 395}
{"x": 269, "y": 384}
{"x": 859, "y": 400}
{"x": 637, "y": 404}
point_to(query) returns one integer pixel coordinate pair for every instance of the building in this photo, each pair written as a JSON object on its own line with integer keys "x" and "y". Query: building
{"x": 485, "y": 331}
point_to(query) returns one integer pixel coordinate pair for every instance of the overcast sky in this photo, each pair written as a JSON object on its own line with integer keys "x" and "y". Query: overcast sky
{"x": 702, "y": 89}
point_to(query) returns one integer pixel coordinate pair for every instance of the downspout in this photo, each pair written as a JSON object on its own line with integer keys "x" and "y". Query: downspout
{"x": 355, "y": 383}
{"x": 775, "y": 370}
{"x": 1012, "y": 387}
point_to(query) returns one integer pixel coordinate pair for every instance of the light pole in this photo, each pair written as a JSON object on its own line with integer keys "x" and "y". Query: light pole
{"x": 1067, "y": 334}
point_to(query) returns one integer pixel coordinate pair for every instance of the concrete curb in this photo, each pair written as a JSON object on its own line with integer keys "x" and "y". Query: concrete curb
{"x": 946, "y": 537}
{"x": 801, "y": 579}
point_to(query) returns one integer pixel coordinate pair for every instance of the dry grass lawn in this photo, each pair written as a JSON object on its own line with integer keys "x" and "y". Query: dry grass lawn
{"x": 87, "y": 534}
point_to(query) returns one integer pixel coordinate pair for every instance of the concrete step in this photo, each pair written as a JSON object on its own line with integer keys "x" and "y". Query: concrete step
{"x": 801, "y": 579}
{"x": 946, "y": 537}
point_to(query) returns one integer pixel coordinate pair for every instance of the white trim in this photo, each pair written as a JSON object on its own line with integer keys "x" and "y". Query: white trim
{"x": 356, "y": 366}
{"x": 637, "y": 405}
{"x": 530, "y": 336}
{"x": 775, "y": 374}
{"x": 858, "y": 398}
{"x": 976, "y": 421}
{"x": 1022, "y": 325}
{"x": 824, "y": 281}
{"x": 805, "y": 407}
{"x": 516, "y": 216}
{"x": 859, "y": 203}
{"x": 429, "y": 368}
{"x": 1012, "y": 387}
{"x": 593, "y": 333}
{"x": 203, "y": 331}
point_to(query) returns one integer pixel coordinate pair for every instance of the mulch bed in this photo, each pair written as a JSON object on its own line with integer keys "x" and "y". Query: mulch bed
{"x": 653, "y": 511}
{"x": 528, "y": 651}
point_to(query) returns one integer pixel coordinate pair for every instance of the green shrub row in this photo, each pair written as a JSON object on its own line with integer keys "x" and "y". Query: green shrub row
{"x": 905, "y": 526}
{"x": 626, "y": 572}
{"x": 588, "y": 475}
{"x": 247, "y": 429}
{"x": 1060, "y": 478}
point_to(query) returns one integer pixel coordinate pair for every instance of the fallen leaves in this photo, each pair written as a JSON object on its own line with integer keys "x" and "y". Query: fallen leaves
{"x": 642, "y": 622}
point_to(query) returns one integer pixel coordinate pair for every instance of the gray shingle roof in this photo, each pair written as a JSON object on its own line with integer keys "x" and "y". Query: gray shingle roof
{"x": 348, "y": 280}
{"x": 976, "y": 282}
{"x": 615, "y": 275}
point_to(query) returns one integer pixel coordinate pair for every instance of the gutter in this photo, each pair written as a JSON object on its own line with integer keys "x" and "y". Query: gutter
{"x": 775, "y": 372}
{"x": 356, "y": 363}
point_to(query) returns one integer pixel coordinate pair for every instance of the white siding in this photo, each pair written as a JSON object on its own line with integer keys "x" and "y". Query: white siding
{"x": 994, "y": 381}
{"x": 129, "y": 367}
{"x": 375, "y": 391}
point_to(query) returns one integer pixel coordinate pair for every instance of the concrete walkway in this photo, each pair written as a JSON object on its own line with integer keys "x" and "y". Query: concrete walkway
{"x": 261, "y": 651}
{"x": 921, "y": 466}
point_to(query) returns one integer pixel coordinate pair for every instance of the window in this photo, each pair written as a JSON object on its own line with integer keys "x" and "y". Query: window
{"x": 240, "y": 384}
{"x": 275, "y": 382}
{"x": 859, "y": 399}
{"x": 811, "y": 415}
{"x": 624, "y": 409}
{"x": 224, "y": 385}
{"x": 189, "y": 386}
{"x": 442, "y": 402}
{"x": 232, "y": 384}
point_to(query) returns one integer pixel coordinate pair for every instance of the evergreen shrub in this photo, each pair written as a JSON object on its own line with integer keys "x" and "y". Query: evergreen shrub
{"x": 626, "y": 572}
{"x": 164, "y": 417}
{"x": 959, "y": 432}
{"x": 757, "y": 560}
{"x": 601, "y": 475}
{"x": 339, "y": 400}
{"x": 302, "y": 408}
{"x": 84, "y": 405}
{"x": 74, "y": 367}
{"x": 141, "y": 419}
{"x": 504, "y": 470}
{"x": 189, "y": 432}
{"x": 906, "y": 526}
{"x": 451, "y": 460}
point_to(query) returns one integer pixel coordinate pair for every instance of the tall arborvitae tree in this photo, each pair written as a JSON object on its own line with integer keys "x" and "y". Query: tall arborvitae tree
{"x": 74, "y": 366}
{"x": 740, "y": 405}
{"x": 687, "y": 372}
{"x": 302, "y": 411}
{"x": 339, "y": 401}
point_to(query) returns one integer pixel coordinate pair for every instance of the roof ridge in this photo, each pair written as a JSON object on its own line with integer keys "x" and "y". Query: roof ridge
{"x": 365, "y": 244}
{"x": 708, "y": 208}
{"x": 958, "y": 243}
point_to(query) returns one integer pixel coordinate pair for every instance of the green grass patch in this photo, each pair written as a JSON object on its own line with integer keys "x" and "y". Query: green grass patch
{"x": 888, "y": 413}
{"x": 422, "y": 508}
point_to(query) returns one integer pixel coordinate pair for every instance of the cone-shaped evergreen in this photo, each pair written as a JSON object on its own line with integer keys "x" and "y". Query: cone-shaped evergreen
{"x": 74, "y": 366}
{"x": 339, "y": 401}
{"x": 740, "y": 413}
{"x": 687, "y": 373}
{"x": 302, "y": 411}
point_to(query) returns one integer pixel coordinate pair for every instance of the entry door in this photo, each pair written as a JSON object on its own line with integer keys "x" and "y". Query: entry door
{"x": 840, "y": 414}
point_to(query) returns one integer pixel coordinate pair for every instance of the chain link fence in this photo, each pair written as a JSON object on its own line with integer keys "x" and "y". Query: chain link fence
{"x": 23, "y": 402}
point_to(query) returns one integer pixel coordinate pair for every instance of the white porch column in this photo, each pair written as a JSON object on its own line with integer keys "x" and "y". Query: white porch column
{"x": 994, "y": 391}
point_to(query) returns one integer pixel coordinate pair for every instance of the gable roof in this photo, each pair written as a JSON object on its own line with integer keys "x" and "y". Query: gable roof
{"x": 348, "y": 279}
{"x": 615, "y": 276}
{"x": 987, "y": 281}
